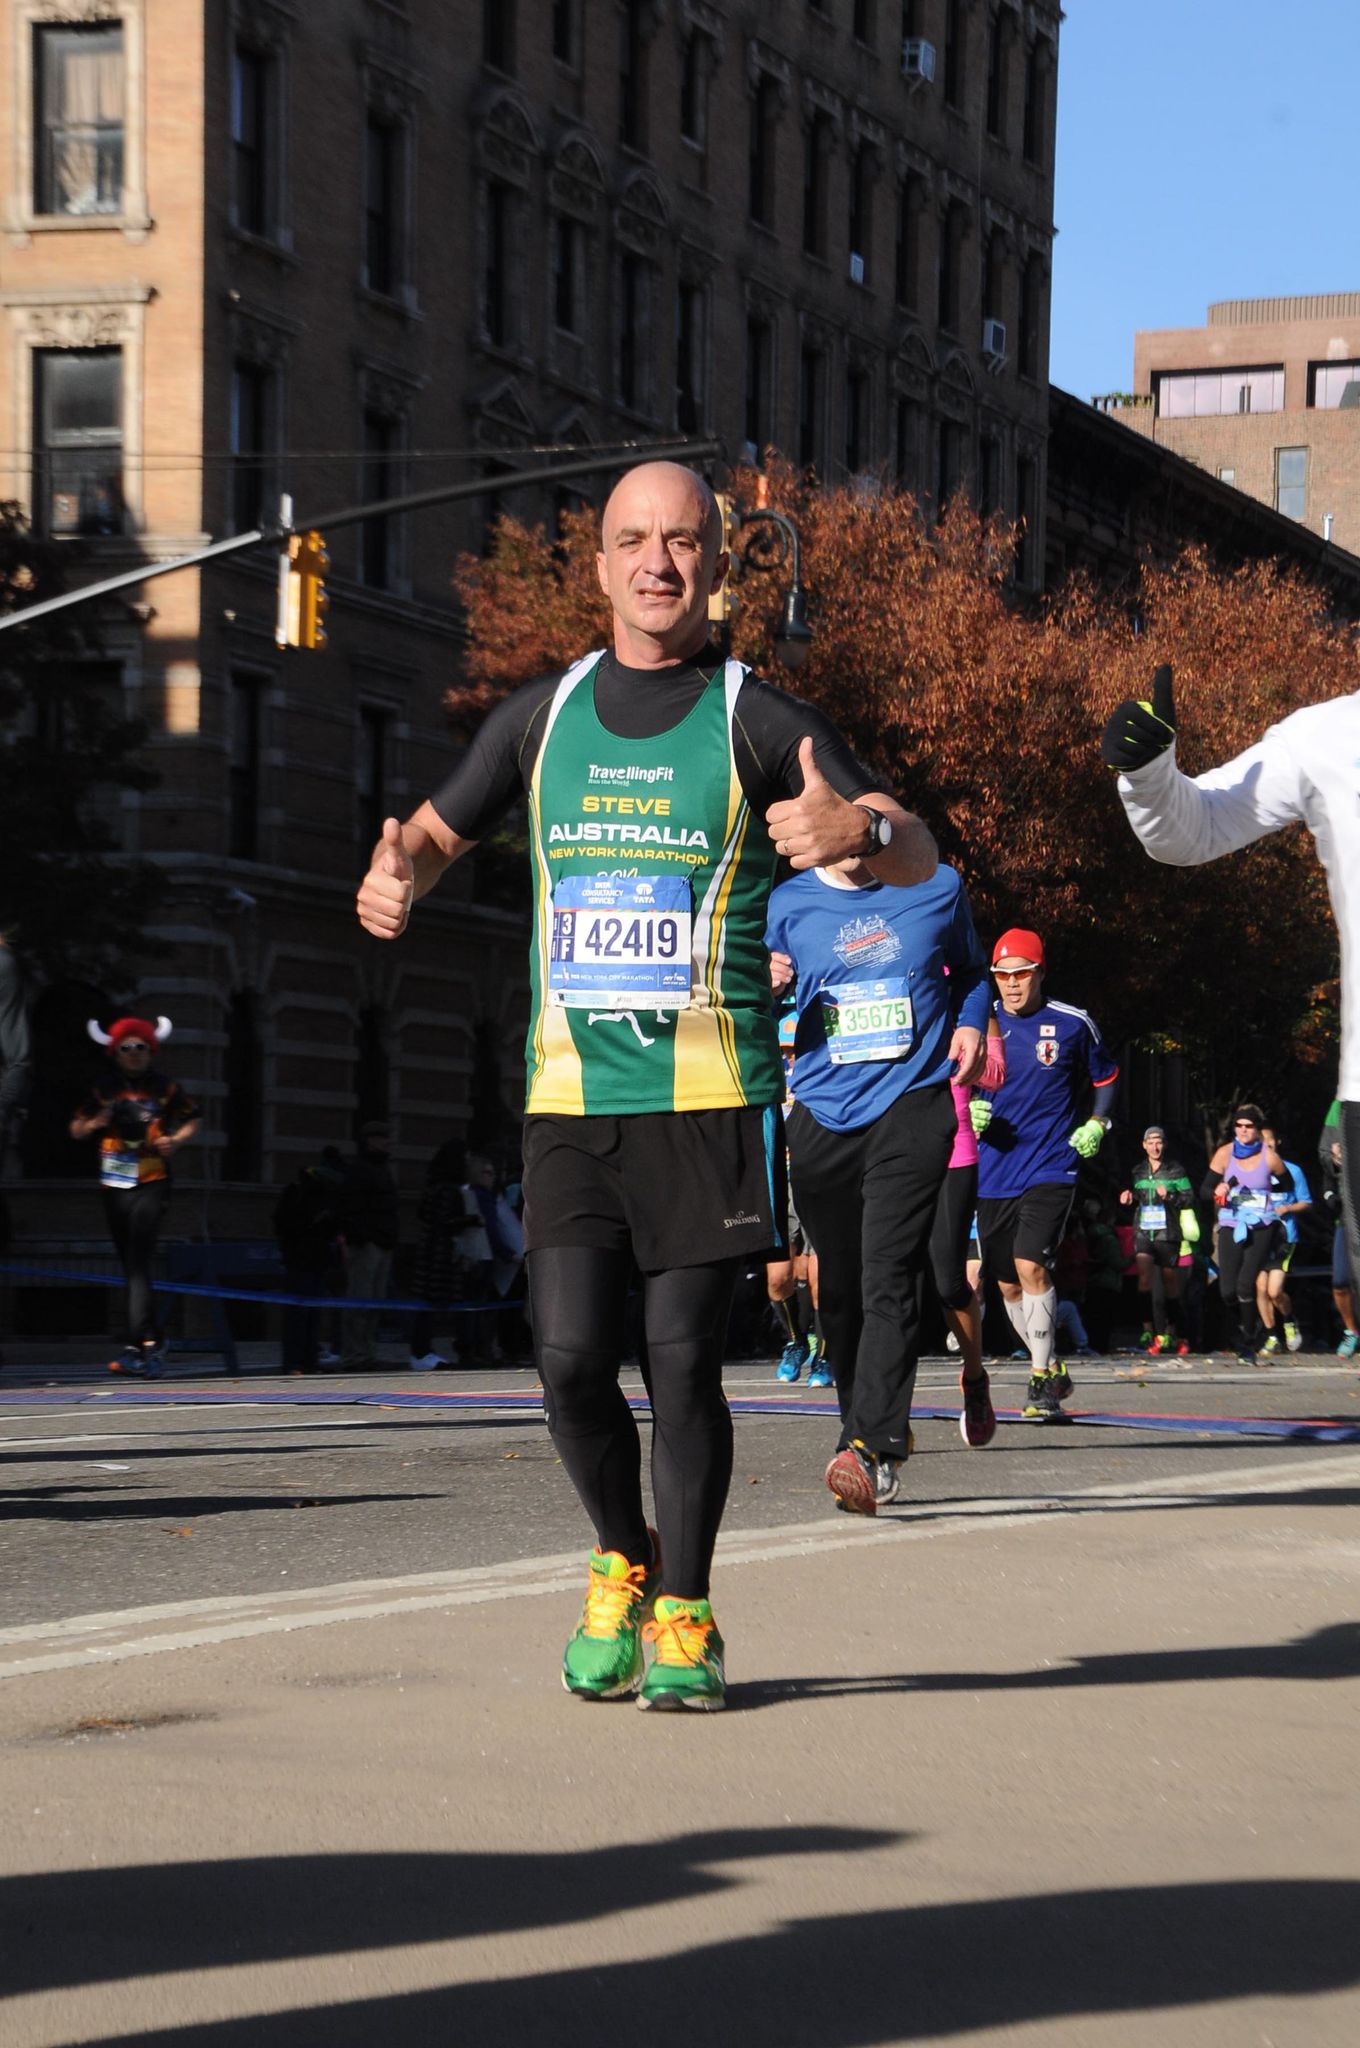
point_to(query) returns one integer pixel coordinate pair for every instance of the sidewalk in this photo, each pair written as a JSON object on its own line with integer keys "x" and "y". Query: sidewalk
{"x": 1085, "y": 1771}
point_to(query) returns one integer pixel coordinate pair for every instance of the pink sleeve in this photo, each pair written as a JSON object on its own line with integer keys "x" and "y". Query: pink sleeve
{"x": 994, "y": 1066}
{"x": 965, "y": 1150}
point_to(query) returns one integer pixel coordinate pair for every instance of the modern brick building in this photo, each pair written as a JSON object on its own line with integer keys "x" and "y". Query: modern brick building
{"x": 1266, "y": 396}
{"x": 349, "y": 249}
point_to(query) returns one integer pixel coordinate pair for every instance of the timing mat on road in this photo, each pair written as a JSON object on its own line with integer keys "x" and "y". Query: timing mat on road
{"x": 1300, "y": 1429}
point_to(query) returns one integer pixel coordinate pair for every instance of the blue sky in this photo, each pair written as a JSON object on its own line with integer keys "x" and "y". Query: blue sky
{"x": 1206, "y": 150}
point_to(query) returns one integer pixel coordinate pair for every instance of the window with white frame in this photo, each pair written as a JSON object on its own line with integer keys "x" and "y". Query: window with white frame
{"x": 79, "y": 105}
{"x": 78, "y": 441}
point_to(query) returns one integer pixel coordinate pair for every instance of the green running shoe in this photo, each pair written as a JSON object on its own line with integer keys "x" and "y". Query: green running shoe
{"x": 603, "y": 1658}
{"x": 1059, "y": 1381}
{"x": 687, "y": 1657}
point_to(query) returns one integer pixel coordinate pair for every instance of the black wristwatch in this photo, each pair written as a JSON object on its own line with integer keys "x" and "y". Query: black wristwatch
{"x": 880, "y": 832}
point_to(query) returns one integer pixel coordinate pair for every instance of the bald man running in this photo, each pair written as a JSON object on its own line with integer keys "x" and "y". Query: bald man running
{"x": 652, "y": 1121}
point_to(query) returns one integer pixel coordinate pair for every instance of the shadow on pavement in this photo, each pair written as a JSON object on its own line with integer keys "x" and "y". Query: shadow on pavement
{"x": 1331, "y": 1652}
{"x": 119, "y": 1505}
{"x": 197, "y": 1916}
{"x": 120, "y": 1450}
{"x": 837, "y": 1980}
{"x": 946, "y": 1506}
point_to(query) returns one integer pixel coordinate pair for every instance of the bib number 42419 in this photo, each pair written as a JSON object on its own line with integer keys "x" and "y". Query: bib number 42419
{"x": 619, "y": 942}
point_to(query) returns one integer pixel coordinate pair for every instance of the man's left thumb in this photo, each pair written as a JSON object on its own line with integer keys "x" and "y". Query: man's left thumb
{"x": 807, "y": 761}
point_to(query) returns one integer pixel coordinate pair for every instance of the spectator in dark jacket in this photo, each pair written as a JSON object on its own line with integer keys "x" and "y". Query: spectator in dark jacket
{"x": 370, "y": 1219}
{"x": 307, "y": 1227}
{"x": 16, "y": 1072}
{"x": 452, "y": 1246}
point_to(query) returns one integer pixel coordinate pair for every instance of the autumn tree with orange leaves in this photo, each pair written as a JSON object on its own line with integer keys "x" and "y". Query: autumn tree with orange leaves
{"x": 984, "y": 715}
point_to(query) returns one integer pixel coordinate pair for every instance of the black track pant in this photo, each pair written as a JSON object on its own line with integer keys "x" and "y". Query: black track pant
{"x": 578, "y": 1295}
{"x": 134, "y": 1217}
{"x": 1350, "y": 1184}
{"x": 868, "y": 1199}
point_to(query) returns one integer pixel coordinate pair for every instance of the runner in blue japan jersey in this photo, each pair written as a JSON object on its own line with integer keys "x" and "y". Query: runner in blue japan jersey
{"x": 1050, "y": 1113}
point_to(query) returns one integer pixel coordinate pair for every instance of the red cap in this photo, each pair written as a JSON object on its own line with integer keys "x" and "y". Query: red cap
{"x": 1019, "y": 945}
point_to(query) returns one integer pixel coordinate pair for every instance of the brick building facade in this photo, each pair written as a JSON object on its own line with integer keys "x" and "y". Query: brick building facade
{"x": 1266, "y": 396}
{"x": 346, "y": 250}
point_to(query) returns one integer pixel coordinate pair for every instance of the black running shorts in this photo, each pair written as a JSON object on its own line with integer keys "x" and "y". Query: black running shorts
{"x": 1027, "y": 1226}
{"x": 679, "y": 1188}
{"x": 1163, "y": 1251}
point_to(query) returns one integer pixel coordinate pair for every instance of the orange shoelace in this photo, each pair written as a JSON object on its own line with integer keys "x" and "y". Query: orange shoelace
{"x": 610, "y": 1602}
{"x": 678, "y": 1638}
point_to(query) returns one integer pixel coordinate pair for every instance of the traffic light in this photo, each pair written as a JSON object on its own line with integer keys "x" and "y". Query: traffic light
{"x": 720, "y": 600}
{"x": 305, "y": 621}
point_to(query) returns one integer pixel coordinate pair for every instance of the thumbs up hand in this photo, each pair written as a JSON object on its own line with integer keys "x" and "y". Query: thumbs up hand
{"x": 1140, "y": 729}
{"x": 386, "y": 892}
{"x": 818, "y": 827}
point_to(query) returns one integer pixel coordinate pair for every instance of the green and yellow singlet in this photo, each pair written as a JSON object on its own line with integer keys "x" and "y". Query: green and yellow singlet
{"x": 650, "y": 981}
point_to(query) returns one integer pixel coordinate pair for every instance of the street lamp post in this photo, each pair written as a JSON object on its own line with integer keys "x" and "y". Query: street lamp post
{"x": 774, "y": 543}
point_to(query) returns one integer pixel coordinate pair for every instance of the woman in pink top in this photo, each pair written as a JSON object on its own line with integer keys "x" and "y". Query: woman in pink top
{"x": 949, "y": 1247}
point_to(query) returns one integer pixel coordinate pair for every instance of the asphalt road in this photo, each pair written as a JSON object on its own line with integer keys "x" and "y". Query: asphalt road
{"x": 1059, "y": 1750}
{"x": 110, "y": 1490}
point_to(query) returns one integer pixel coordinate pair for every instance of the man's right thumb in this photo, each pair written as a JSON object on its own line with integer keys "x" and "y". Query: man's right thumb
{"x": 1163, "y": 703}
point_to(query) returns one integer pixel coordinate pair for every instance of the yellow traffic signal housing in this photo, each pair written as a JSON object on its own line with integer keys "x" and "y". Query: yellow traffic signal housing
{"x": 720, "y": 600}
{"x": 308, "y": 562}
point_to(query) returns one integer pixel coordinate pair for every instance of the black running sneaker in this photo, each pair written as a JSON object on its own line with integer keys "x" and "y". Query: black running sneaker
{"x": 1042, "y": 1404}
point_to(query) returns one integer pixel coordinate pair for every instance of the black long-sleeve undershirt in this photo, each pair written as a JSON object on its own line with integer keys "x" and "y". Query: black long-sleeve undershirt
{"x": 632, "y": 703}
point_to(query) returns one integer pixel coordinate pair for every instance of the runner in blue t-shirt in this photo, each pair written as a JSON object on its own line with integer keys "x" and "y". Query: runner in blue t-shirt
{"x": 1051, "y": 1112}
{"x": 882, "y": 1030}
{"x": 1291, "y": 1196}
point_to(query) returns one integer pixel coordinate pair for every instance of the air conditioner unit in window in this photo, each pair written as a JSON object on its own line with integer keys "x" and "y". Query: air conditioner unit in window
{"x": 856, "y": 267}
{"x": 918, "y": 59}
{"x": 994, "y": 342}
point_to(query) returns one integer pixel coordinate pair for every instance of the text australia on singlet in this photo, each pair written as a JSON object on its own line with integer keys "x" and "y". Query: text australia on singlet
{"x": 618, "y": 818}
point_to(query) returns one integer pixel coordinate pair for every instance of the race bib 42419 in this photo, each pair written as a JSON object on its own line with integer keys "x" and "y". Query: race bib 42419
{"x": 620, "y": 943}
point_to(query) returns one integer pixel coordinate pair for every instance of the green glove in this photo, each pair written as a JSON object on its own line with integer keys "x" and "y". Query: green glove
{"x": 1189, "y": 1227}
{"x": 1085, "y": 1140}
{"x": 980, "y": 1114}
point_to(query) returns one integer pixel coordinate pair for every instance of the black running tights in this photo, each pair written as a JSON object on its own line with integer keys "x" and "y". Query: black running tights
{"x": 134, "y": 1217}
{"x": 578, "y": 1296}
{"x": 1238, "y": 1266}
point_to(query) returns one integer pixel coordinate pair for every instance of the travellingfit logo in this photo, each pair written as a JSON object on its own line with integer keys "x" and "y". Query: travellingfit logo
{"x": 631, "y": 773}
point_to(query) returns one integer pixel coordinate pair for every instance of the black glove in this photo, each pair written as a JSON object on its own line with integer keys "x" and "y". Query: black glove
{"x": 1137, "y": 731}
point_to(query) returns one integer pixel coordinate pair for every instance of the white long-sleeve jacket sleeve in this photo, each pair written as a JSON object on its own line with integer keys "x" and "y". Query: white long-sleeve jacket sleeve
{"x": 1185, "y": 822}
{"x": 1304, "y": 770}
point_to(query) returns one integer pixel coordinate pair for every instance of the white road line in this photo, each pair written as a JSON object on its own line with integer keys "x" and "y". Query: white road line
{"x": 151, "y": 1631}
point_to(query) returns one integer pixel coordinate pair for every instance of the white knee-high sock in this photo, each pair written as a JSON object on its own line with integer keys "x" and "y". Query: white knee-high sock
{"x": 1041, "y": 1316}
{"x": 1015, "y": 1310}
